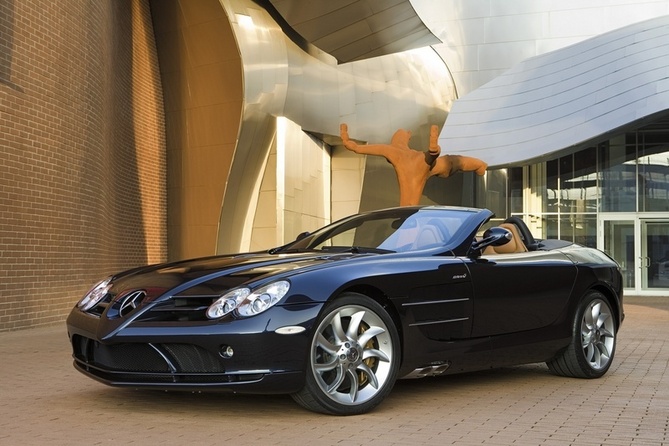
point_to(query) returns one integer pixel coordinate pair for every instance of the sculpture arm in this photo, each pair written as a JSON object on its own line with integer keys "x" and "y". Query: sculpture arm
{"x": 384, "y": 150}
{"x": 447, "y": 165}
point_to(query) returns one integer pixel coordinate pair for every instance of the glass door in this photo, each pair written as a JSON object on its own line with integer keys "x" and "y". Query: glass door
{"x": 641, "y": 247}
{"x": 617, "y": 240}
{"x": 654, "y": 258}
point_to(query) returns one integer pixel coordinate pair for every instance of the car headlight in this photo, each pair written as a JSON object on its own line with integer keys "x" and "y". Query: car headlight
{"x": 227, "y": 303}
{"x": 95, "y": 295}
{"x": 246, "y": 303}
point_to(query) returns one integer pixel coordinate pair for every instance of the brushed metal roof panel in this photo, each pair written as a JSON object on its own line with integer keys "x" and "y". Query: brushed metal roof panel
{"x": 357, "y": 29}
{"x": 565, "y": 99}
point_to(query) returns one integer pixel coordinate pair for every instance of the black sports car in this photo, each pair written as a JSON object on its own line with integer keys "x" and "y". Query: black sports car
{"x": 335, "y": 317}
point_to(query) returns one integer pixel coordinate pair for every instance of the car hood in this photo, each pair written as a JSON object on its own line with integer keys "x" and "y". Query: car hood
{"x": 218, "y": 274}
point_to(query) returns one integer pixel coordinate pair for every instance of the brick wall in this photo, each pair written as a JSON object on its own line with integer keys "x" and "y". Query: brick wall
{"x": 82, "y": 152}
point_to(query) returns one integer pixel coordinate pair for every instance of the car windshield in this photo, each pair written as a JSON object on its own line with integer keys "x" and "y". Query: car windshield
{"x": 397, "y": 230}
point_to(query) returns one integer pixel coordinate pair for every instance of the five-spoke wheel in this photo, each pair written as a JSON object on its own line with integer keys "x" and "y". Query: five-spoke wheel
{"x": 353, "y": 359}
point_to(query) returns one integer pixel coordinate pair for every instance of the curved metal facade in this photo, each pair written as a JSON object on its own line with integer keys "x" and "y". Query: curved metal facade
{"x": 484, "y": 38}
{"x": 287, "y": 77}
{"x": 375, "y": 97}
{"x": 357, "y": 29}
{"x": 557, "y": 101}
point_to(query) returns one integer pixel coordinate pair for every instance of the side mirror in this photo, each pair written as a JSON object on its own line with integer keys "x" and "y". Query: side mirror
{"x": 493, "y": 237}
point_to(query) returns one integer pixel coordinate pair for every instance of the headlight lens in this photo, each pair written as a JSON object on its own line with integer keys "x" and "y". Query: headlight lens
{"x": 246, "y": 303}
{"x": 95, "y": 295}
{"x": 263, "y": 298}
{"x": 227, "y": 303}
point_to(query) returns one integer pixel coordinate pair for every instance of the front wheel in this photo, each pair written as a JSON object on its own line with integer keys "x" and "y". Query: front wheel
{"x": 353, "y": 359}
{"x": 590, "y": 353}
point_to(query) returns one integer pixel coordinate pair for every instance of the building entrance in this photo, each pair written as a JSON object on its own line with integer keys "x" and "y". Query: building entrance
{"x": 641, "y": 246}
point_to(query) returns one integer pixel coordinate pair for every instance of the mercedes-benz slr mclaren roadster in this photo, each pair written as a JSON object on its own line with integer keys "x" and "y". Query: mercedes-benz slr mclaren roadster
{"x": 335, "y": 317}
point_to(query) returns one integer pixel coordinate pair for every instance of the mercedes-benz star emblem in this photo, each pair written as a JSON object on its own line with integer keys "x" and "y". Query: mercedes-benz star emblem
{"x": 131, "y": 301}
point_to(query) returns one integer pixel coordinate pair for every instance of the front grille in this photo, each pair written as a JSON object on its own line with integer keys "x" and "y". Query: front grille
{"x": 172, "y": 358}
{"x": 193, "y": 359}
{"x": 180, "y": 308}
{"x": 129, "y": 357}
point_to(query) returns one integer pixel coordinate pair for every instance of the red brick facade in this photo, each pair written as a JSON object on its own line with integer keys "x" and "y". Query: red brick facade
{"x": 82, "y": 152}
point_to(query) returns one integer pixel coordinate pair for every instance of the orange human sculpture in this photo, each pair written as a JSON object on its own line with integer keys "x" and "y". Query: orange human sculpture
{"x": 412, "y": 167}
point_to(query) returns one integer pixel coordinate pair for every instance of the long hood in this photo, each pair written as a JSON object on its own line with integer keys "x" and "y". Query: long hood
{"x": 217, "y": 274}
{"x": 182, "y": 291}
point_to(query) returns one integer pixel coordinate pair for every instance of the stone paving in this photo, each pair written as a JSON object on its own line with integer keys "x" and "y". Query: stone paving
{"x": 43, "y": 400}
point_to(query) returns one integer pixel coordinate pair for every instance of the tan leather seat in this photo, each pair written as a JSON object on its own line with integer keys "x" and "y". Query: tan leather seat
{"x": 515, "y": 244}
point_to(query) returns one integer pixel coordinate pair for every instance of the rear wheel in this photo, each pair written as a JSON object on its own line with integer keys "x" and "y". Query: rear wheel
{"x": 593, "y": 344}
{"x": 353, "y": 359}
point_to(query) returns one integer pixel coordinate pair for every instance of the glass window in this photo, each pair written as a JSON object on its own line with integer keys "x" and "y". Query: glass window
{"x": 653, "y": 165}
{"x": 617, "y": 169}
{"x": 579, "y": 228}
{"x": 566, "y": 228}
{"x": 515, "y": 190}
{"x": 491, "y": 192}
{"x": 578, "y": 182}
{"x": 549, "y": 226}
{"x": 619, "y": 244}
{"x": 551, "y": 201}
{"x": 655, "y": 254}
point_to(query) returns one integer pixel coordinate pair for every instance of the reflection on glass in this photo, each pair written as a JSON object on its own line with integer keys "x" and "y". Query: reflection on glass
{"x": 629, "y": 173}
{"x": 655, "y": 254}
{"x": 492, "y": 194}
{"x": 653, "y": 163}
{"x": 654, "y": 181}
{"x": 552, "y": 191}
{"x": 617, "y": 171}
{"x": 578, "y": 182}
{"x": 579, "y": 228}
{"x": 619, "y": 244}
{"x": 550, "y": 226}
{"x": 516, "y": 190}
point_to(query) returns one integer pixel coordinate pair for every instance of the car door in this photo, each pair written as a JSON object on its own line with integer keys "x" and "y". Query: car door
{"x": 439, "y": 299}
{"x": 520, "y": 291}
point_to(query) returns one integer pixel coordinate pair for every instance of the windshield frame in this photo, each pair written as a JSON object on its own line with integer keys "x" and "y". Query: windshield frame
{"x": 389, "y": 222}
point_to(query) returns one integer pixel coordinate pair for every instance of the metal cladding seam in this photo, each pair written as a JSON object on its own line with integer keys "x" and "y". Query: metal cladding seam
{"x": 561, "y": 100}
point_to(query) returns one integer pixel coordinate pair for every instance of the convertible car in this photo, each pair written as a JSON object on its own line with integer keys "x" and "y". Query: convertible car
{"x": 337, "y": 316}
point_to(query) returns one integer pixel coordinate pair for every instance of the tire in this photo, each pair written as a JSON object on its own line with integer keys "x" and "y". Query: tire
{"x": 353, "y": 358}
{"x": 593, "y": 344}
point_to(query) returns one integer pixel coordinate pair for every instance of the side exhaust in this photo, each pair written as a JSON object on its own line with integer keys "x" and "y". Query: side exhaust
{"x": 429, "y": 370}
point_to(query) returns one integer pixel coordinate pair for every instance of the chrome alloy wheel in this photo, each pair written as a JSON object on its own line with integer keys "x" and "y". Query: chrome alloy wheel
{"x": 598, "y": 334}
{"x": 593, "y": 342}
{"x": 352, "y": 355}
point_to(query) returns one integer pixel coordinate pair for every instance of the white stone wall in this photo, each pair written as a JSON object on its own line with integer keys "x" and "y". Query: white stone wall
{"x": 295, "y": 191}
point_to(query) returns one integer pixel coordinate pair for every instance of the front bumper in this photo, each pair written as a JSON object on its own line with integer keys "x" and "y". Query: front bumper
{"x": 191, "y": 356}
